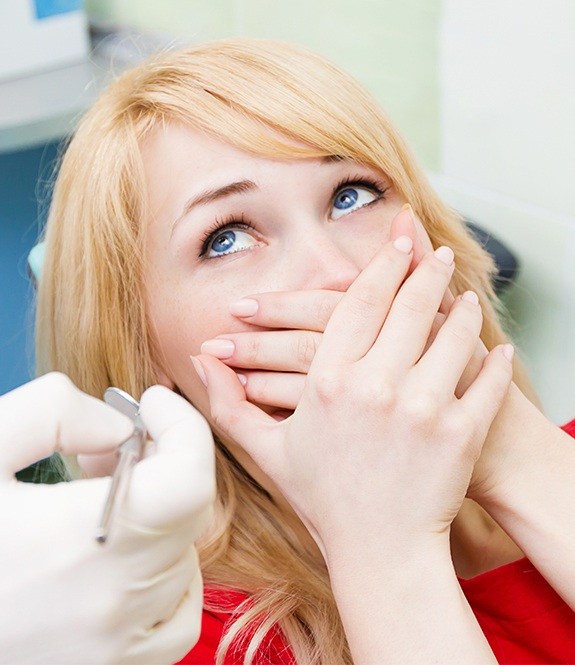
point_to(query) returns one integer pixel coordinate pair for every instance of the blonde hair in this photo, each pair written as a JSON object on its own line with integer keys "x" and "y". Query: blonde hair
{"x": 91, "y": 320}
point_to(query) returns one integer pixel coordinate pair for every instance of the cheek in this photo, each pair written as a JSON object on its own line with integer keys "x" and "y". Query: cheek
{"x": 182, "y": 316}
{"x": 363, "y": 243}
{"x": 182, "y": 321}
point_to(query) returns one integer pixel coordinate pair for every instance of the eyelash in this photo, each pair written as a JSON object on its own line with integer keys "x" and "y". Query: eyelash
{"x": 232, "y": 221}
{"x": 363, "y": 181}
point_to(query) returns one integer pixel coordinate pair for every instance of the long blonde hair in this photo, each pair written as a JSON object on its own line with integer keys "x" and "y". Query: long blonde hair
{"x": 91, "y": 320}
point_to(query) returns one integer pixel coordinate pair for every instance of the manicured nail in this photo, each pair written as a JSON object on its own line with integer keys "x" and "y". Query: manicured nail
{"x": 508, "y": 351}
{"x": 403, "y": 244}
{"x": 244, "y": 307}
{"x": 243, "y": 379}
{"x": 199, "y": 370}
{"x": 406, "y": 206}
{"x": 471, "y": 296}
{"x": 219, "y": 348}
{"x": 445, "y": 255}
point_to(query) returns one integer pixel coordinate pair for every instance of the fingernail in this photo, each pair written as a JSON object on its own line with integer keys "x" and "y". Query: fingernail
{"x": 199, "y": 370}
{"x": 219, "y": 348}
{"x": 243, "y": 379}
{"x": 471, "y": 296}
{"x": 403, "y": 244}
{"x": 244, "y": 307}
{"x": 407, "y": 207}
{"x": 508, "y": 351}
{"x": 445, "y": 255}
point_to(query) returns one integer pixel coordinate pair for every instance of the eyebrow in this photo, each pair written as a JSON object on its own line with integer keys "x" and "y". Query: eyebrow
{"x": 239, "y": 187}
{"x": 211, "y": 195}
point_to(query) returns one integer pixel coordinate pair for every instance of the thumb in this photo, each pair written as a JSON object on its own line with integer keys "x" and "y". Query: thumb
{"x": 236, "y": 418}
{"x": 176, "y": 485}
{"x": 51, "y": 415}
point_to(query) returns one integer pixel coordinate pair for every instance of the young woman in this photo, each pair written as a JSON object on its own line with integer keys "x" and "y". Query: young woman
{"x": 239, "y": 168}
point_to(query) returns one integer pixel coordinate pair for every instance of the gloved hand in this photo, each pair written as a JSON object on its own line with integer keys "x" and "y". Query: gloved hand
{"x": 64, "y": 598}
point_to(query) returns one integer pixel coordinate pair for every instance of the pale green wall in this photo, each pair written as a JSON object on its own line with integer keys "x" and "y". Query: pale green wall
{"x": 389, "y": 45}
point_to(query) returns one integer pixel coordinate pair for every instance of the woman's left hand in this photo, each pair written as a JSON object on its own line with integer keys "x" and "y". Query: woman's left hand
{"x": 272, "y": 362}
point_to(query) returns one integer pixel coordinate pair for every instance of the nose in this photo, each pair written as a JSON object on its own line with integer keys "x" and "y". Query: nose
{"x": 320, "y": 262}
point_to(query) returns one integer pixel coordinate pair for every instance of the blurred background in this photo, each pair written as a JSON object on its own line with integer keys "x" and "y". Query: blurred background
{"x": 483, "y": 92}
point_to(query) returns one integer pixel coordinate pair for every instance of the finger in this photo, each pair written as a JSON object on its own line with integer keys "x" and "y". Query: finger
{"x": 72, "y": 508}
{"x": 438, "y": 321}
{"x": 97, "y": 466}
{"x": 171, "y": 639}
{"x": 473, "y": 368}
{"x": 448, "y": 356}
{"x": 305, "y": 310}
{"x": 51, "y": 415}
{"x": 486, "y": 394}
{"x": 357, "y": 320}
{"x": 410, "y": 225}
{"x": 280, "y": 389}
{"x": 176, "y": 485}
{"x": 166, "y": 583}
{"x": 408, "y": 325}
{"x": 405, "y": 225}
{"x": 276, "y": 350}
{"x": 233, "y": 417}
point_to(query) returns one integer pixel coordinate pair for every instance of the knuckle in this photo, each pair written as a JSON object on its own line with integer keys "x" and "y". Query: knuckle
{"x": 306, "y": 346}
{"x": 60, "y": 388}
{"x": 378, "y": 393}
{"x": 259, "y": 388}
{"x": 329, "y": 385}
{"x": 413, "y": 303}
{"x": 252, "y": 350}
{"x": 222, "y": 419}
{"x": 324, "y": 310}
{"x": 463, "y": 332}
{"x": 366, "y": 300}
{"x": 422, "y": 409}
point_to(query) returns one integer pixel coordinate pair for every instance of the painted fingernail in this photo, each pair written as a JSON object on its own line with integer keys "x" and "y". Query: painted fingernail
{"x": 471, "y": 296}
{"x": 219, "y": 348}
{"x": 244, "y": 307}
{"x": 403, "y": 244}
{"x": 243, "y": 379}
{"x": 199, "y": 370}
{"x": 445, "y": 255}
{"x": 508, "y": 351}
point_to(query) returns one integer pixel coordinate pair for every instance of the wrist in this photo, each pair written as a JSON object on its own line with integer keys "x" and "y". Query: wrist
{"x": 403, "y": 605}
{"x": 516, "y": 431}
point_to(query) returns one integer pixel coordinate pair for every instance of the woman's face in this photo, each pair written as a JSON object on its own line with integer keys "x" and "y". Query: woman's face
{"x": 225, "y": 224}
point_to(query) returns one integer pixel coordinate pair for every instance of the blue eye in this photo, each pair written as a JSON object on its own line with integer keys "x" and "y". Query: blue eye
{"x": 351, "y": 198}
{"x": 228, "y": 241}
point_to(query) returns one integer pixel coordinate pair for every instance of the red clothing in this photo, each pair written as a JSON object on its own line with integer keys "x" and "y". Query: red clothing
{"x": 523, "y": 619}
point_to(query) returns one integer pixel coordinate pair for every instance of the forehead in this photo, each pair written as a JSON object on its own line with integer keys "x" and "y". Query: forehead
{"x": 177, "y": 157}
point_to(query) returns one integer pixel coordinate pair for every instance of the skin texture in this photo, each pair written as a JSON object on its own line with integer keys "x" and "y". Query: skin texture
{"x": 411, "y": 452}
{"x": 296, "y": 244}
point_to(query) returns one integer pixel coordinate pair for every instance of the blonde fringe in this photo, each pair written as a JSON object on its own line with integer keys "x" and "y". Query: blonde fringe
{"x": 270, "y": 99}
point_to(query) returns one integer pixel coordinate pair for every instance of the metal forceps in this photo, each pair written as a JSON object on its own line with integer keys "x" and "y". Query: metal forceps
{"x": 130, "y": 452}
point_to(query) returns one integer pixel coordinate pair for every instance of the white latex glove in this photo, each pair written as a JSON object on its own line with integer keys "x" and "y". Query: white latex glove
{"x": 64, "y": 598}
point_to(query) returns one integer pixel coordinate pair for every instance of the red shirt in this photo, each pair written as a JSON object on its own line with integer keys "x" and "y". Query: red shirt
{"x": 522, "y": 617}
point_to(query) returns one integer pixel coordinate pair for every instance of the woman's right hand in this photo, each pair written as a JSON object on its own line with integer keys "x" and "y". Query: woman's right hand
{"x": 66, "y": 599}
{"x": 378, "y": 447}
{"x": 377, "y": 457}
